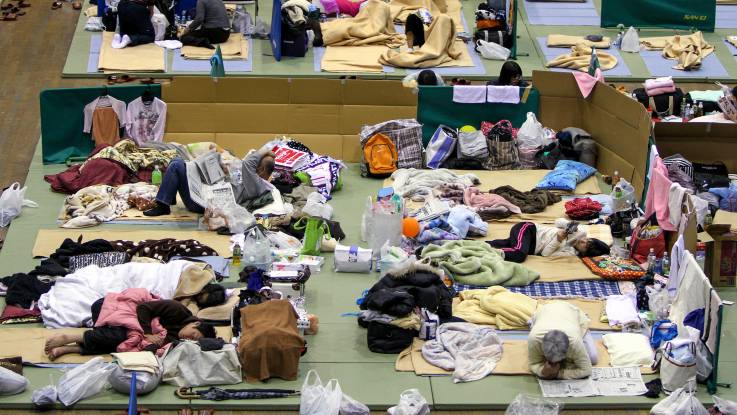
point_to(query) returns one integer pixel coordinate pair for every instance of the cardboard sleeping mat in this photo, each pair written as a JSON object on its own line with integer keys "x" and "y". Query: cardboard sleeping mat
{"x": 178, "y": 214}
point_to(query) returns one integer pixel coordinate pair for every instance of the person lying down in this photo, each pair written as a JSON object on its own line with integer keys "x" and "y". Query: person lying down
{"x": 527, "y": 238}
{"x": 124, "y": 323}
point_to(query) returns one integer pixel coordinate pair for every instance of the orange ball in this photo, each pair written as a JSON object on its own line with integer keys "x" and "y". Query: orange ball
{"x": 410, "y": 227}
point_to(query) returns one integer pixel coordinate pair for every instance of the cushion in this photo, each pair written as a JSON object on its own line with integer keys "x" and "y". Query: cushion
{"x": 222, "y": 312}
{"x": 609, "y": 268}
{"x": 566, "y": 175}
{"x": 628, "y": 349}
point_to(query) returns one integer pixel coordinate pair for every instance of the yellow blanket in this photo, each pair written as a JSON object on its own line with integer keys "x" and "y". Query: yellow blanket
{"x": 400, "y": 9}
{"x": 580, "y": 58}
{"x": 353, "y": 58}
{"x": 689, "y": 50}
{"x": 141, "y": 58}
{"x": 235, "y": 48}
{"x": 372, "y": 25}
{"x": 565, "y": 41}
{"x": 440, "y": 49}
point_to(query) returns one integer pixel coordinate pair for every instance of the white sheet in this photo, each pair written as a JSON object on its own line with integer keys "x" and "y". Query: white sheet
{"x": 68, "y": 302}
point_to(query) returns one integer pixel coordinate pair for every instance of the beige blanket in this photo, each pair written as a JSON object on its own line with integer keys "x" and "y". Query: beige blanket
{"x": 178, "y": 214}
{"x": 235, "y": 48}
{"x": 440, "y": 49}
{"x": 400, "y": 9}
{"x": 500, "y": 230}
{"x": 141, "y": 58}
{"x": 580, "y": 59}
{"x": 688, "y": 50}
{"x": 515, "y": 360}
{"x": 48, "y": 240}
{"x": 353, "y": 59}
{"x": 566, "y": 41}
{"x": 372, "y": 25}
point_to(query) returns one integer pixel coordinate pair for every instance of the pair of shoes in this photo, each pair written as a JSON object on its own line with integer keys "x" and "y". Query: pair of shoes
{"x": 159, "y": 210}
{"x": 115, "y": 79}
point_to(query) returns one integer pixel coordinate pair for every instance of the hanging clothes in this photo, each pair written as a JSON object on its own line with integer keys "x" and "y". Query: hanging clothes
{"x": 658, "y": 195}
{"x": 145, "y": 121}
{"x": 103, "y": 118}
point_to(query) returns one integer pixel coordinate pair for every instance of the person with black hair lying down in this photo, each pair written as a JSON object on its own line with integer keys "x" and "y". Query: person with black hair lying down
{"x": 510, "y": 75}
{"x": 256, "y": 170}
{"x": 527, "y": 238}
{"x": 172, "y": 315}
{"x": 134, "y": 22}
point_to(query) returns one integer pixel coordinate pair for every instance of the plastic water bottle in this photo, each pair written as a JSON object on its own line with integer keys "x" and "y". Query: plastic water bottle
{"x": 665, "y": 265}
{"x": 156, "y": 176}
{"x": 701, "y": 255}
{"x": 651, "y": 260}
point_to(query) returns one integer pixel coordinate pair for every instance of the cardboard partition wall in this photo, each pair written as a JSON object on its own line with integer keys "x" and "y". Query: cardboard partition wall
{"x": 244, "y": 113}
{"x": 619, "y": 124}
{"x": 699, "y": 142}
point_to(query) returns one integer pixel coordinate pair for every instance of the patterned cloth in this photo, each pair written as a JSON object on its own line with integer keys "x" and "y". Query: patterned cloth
{"x": 101, "y": 259}
{"x": 407, "y": 137}
{"x": 163, "y": 249}
{"x": 324, "y": 173}
{"x": 563, "y": 289}
{"x": 135, "y": 158}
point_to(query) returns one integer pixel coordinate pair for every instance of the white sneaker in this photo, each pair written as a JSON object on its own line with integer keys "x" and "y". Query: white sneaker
{"x": 116, "y": 41}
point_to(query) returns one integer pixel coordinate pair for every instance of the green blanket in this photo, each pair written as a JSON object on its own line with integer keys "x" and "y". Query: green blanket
{"x": 477, "y": 263}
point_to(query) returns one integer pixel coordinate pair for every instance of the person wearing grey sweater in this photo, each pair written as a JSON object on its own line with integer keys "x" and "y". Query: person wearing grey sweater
{"x": 211, "y": 25}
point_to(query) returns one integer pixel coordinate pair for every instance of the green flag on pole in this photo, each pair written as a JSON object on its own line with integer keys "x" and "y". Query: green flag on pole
{"x": 217, "y": 70}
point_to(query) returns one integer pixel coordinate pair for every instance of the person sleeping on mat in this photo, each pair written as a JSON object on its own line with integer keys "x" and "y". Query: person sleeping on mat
{"x": 172, "y": 315}
{"x": 211, "y": 25}
{"x": 256, "y": 169}
{"x": 560, "y": 345}
{"x": 134, "y": 23}
{"x": 526, "y": 238}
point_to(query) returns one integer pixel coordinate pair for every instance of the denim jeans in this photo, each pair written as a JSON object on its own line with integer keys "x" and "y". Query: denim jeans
{"x": 175, "y": 180}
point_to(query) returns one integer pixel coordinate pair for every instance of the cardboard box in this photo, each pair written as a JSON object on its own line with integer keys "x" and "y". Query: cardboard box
{"x": 699, "y": 142}
{"x": 721, "y": 257}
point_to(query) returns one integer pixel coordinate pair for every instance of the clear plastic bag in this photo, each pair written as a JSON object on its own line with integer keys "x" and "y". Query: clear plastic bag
{"x": 531, "y": 405}
{"x": 631, "y": 41}
{"x": 257, "y": 249}
{"x": 704, "y": 363}
{"x": 319, "y": 399}
{"x": 682, "y": 401}
{"x": 11, "y": 383}
{"x": 623, "y": 195}
{"x": 411, "y": 402}
{"x": 658, "y": 300}
{"x": 44, "y": 398}
{"x": 317, "y": 205}
{"x": 491, "y": 50}
{"x": 84, "y": 381}
{"x": 724, "y": 406}
{"x": 12, "y": 201}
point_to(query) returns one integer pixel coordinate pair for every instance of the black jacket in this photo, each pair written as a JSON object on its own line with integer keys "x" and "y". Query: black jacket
{"x": 415, "y": 285}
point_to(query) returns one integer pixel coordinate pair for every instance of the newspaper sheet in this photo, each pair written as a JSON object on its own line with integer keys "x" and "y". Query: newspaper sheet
{"x": 604, "y": 381}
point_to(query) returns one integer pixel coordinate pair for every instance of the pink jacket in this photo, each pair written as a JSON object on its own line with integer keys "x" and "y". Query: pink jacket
{"x": 475, "y": 199}
{"x": 119, "y": 309}
{"x": 658, "y": 191}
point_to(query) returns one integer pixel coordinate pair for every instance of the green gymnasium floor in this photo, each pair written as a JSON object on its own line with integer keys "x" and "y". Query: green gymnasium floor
{"x": 529, "y": 55}
{"x": 339, "y": 349}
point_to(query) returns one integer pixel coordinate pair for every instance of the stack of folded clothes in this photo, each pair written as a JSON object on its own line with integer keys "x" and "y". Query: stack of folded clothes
{"x": 660, "y": 86}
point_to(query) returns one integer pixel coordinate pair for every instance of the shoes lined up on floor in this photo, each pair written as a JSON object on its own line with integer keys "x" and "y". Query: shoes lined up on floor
{"x": 10, "y": 11}
{"x": 76, "y": 5}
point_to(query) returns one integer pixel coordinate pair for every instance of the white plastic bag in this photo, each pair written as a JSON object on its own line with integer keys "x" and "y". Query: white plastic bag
{"x": 84, "y": 381}
{"x": 159, "y": 22}
{"x": 319, "y": 399}
{"x": 11, "y": 383}
{"x": 631, "y": 41}
{"x": 531, "y": 134}
{"x": 411, "y": 402}
{"x": 682, "y": 401}
{"x": 472, "y": 145}
{"x": 352, "y": 259}
{"x": 532, "y": 405}
{"x": 704, "y": 363}
{"x": 94, "y": 24}
{"x": 317, "y": 205}
{"x": 623, "y": 195}
{"x": 350, "y": 406}
{"x": 658, "y": 301}
{"x": 12, "y": 201}
{"x": 493, "y": 51}
{"x": 724, "y": 406}
{"x": 120, "y": 380}
{"x": 44, "y": 398}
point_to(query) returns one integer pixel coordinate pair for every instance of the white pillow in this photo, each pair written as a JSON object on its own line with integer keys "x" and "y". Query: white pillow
{"x": 628, "y": 349}
{"x": 11, "y": 383}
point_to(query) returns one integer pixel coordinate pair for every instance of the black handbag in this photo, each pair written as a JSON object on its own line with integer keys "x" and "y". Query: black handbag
{"x": 663, "y": 105}
{"x": 499, "y": 37}
{"x": 387, "y": 338}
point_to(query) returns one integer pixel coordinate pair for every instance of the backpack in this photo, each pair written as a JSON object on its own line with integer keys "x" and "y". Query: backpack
{"x": 380, "y": 156}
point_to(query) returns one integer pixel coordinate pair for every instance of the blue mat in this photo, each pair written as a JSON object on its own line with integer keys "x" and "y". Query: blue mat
{"x": 731, "y": 47}
{"x": 726, "y": 16}
{"x": 179, "y": 64}
{"x": 563, "y": 289}
{"x": 95, "y": 44}
{"x": 659, "y": 66}
{"x": 562, "y": 14}
{"x": 550, "y": 53}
